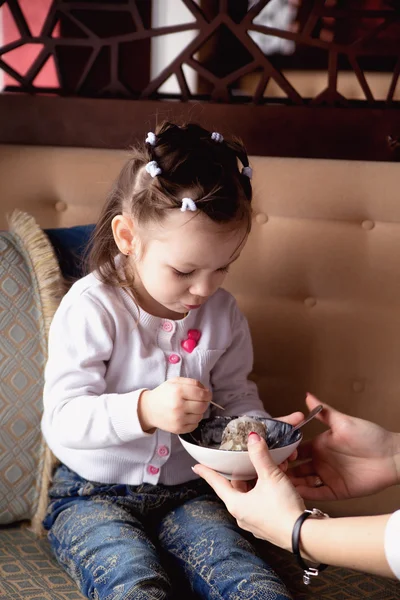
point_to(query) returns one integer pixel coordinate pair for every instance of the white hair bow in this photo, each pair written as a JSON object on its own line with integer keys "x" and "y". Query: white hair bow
{"x": 217, "y": 137}
{"x": 153, "y": 169}
{"x": 188, "y": 204}
{"x": 151, "y": 139}
{"x": 247, "y": 172}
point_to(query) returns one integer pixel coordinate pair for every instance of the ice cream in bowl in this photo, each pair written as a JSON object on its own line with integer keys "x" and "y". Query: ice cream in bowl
{"x": 221, "y": 443}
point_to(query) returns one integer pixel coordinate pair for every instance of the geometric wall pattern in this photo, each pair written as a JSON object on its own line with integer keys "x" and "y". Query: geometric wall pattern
{"x": 103, "y": 49}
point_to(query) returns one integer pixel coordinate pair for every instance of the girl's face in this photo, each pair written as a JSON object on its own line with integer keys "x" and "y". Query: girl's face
{"x": 183, "y": 261}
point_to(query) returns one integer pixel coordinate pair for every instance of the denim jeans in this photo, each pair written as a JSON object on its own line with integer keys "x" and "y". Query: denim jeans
{"x": 121, "y": 542}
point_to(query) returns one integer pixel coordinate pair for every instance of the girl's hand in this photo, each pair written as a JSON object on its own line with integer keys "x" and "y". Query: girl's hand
{"x": 353, "y": 458}
{"x": 177, "y": 406}
{"x": 271, "y": 508}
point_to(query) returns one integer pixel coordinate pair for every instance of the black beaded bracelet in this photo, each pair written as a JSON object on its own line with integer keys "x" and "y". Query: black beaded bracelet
{"x": 308, "y": 571}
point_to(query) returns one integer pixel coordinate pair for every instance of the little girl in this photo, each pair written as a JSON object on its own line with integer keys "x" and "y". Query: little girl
{"x": 138, "y": 351}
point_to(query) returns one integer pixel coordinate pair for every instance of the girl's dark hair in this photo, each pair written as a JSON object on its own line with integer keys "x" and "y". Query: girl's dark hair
{"x": 193, "y": 165}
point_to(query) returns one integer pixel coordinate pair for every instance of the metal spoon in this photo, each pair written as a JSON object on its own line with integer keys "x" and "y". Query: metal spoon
{"x": 308, "y": 418}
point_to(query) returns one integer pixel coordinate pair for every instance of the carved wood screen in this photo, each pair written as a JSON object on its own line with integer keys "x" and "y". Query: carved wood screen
{"x": 104, "y": 94}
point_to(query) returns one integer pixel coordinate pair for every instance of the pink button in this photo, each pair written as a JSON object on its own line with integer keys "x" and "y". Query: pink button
{"x": 174, "y": 358}
{"x": 167, "y": 326}
{"x": 152, "y": 470}
{"x": 163, "y": 451}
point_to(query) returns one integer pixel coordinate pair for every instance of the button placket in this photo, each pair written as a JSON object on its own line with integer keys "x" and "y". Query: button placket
{"x": 160, "y": 456}
{"x": 174, "y": 365}
{"x": 167, "y": 326}
{"x": 163, "y": 451}
{"x": 151, "y": 474}
{"x": 174, "y": 359}
{"x": 153, "y": 470}
{"x": 165, "y": 335}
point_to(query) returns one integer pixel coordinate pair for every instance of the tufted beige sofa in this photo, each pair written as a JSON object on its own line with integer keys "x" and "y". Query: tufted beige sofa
{"x": 319, "y": 281}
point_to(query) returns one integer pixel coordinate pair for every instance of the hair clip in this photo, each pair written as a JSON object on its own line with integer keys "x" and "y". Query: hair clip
{"x": 217, "y": 137}
{"x": 153, "y": 169}
{"x": 247, "y": 172}
{"x": 151, "y": 139}
{"x": 188, "y": 204}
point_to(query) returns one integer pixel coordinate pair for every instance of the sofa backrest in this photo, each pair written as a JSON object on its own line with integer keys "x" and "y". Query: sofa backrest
{"x": 319, "y": 279}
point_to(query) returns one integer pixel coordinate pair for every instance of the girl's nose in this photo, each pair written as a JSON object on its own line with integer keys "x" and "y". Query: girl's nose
{"x": 202, "y": 289}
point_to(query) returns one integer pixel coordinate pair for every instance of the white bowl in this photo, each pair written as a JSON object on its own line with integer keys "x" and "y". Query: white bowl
{"x": 235, "y": 465}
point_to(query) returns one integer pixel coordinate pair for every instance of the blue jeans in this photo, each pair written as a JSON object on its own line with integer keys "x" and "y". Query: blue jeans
{"x": 121, "y": 542}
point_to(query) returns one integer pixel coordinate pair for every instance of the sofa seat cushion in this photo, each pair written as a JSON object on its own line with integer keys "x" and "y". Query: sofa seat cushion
{"x": 28, "y": 569}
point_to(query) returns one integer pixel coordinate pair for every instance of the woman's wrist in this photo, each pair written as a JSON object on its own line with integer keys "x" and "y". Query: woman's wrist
{"x": 352, "y": 542}
{"x": 311, "y": 529}
{"x": 286, "y": 543}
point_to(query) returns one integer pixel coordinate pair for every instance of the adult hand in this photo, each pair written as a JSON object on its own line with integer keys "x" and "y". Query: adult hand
{"x": 271, "y": 508}
{"x": 293, "y": 419}
{"x": 353, "y": 458}
{"x": 177, "y": 405}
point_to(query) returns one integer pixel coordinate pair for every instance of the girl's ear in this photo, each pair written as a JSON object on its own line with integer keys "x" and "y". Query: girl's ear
{"x": 123, "y": 232}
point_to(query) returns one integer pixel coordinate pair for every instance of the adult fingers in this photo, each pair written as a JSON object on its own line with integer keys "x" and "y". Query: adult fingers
{"x": 307, "y": 468}
{"x": 293, "y": 419}
{"x": 316, "y": 493}
{"x": 328, "y": 415}
{"x": 309, "y": 481}
{"x": 261, "y": 457}
{"x": 240, "y": 486}
{"x": 305, "y": 450}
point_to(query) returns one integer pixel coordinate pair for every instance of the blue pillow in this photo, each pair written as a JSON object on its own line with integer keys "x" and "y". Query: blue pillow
{"x": 70, "y": 245}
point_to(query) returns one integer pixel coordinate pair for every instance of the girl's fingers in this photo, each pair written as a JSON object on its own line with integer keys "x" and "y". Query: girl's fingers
{"x": 195, "y": 408}
{"x": 186, "y": 381}
{"x": 195, "y": 393}
{"x": 188, "y": 427}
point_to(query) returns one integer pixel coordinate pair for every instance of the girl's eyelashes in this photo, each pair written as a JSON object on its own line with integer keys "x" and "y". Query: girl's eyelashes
{"x": 223, "y": 269}
{"x": 182, "y": 274}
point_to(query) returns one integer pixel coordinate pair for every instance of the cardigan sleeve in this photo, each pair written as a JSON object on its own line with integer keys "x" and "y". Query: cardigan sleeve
{"x": 77, "y": 407}
{"x": 392, "y": 543}
{"x": 231, "y": 386}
